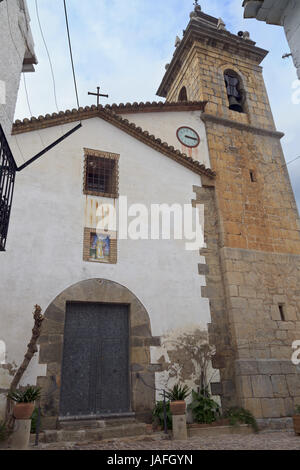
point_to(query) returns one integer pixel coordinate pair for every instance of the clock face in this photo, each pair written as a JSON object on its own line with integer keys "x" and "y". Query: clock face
{"x": 188, "y": 137}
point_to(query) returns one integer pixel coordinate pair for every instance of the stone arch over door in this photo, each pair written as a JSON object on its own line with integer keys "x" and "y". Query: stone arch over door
{"x": 140, "y": 340}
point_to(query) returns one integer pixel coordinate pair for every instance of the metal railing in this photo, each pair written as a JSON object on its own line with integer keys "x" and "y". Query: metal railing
{"x": 8, "y": 170}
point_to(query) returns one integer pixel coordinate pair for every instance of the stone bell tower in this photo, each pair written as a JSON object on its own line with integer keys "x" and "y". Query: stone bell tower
{"x": 251, "y": 219}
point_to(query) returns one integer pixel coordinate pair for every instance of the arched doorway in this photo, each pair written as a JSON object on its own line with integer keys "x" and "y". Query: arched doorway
{"x": 95, "y": 341}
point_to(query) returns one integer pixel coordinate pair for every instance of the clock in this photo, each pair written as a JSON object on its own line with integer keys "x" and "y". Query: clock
{"x": 188, "y": 137}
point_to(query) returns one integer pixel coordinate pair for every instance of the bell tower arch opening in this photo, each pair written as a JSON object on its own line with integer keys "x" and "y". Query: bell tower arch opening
{"x": 183, "y": 94}
{"x": 235, "y": 91}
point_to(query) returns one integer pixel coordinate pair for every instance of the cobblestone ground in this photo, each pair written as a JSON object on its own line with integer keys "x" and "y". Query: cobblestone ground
{"x": 262, "y": 441}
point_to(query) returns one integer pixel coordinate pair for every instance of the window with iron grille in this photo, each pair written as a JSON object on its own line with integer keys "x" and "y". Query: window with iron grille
{"x": 101, "y": 173}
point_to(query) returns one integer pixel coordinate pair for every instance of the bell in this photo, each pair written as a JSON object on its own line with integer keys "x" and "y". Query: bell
{"x": 234, "y": 105}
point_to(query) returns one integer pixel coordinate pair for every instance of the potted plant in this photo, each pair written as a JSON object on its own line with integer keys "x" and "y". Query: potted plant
{"x": 177, "y": 397}
{"x": 296, "y": 419}
{"x": 24, "y": 399}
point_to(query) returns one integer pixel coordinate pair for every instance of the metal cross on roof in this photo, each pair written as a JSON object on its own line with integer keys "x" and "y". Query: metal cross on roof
{"x": 98, "y": 94}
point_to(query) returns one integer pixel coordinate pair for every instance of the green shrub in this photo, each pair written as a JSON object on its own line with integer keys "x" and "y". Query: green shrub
{"x": 29, "y": 395}
{"x": 3, "y": 432}
{"x": 158, "y": 414}
{"x": 204, "y": 408}
{"x": 297, "y": 410}
{"x": 178, "y": 393}
{"x": 238, "y": 416}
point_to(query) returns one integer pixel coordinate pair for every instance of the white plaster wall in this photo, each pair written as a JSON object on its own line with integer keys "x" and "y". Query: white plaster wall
{"x": 165, "y": 124}
{"x": 14, "y": 40}
{"x": 170, "y": 341}
{"x": 45, "y": 239}
{"x": 285, "y": 13}
{"x": 291, "y": 23}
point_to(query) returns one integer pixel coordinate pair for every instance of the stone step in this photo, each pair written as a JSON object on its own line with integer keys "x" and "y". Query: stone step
{"x": 95, "y": 434}
{"x": 94, "y": 423}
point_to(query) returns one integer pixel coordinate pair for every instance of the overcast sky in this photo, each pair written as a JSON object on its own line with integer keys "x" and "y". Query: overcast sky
{"x": 123, "y": 46}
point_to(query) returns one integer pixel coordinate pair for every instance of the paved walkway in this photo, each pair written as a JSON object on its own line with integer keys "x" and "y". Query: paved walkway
{"x": 262, "y": 441}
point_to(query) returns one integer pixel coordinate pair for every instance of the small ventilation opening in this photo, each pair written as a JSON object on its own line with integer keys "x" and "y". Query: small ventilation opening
{"x": 252, "y": 176}
{"x": 281, "y": 311}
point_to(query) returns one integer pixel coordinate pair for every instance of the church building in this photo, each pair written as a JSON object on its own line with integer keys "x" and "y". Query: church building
{"x": 119, "y": 303}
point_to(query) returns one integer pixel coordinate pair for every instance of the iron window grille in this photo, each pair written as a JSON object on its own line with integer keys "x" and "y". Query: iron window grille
{"x": 101, "y": 174}
{"x": 8, "y": 170}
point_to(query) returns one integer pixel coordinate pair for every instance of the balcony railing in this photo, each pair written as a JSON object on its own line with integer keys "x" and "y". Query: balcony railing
{"x": 8, "y": 170}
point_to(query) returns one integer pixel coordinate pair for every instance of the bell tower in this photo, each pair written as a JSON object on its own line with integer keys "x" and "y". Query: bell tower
{"x": 252, "y": 228}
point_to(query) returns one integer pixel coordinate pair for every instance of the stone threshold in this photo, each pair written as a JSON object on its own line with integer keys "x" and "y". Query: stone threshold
{"x": 97, "y": 417}
{"x": 99, "y": 431}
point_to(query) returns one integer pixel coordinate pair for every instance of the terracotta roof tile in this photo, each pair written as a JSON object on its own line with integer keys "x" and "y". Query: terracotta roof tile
{"x": 90, "y": 111}
{"x": 112, "y": 115}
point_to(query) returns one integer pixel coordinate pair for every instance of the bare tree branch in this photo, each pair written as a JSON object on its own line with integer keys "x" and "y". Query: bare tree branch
{"x": 31, "y": 350}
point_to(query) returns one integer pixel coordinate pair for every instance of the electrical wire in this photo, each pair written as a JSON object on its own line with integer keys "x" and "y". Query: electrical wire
{"x": 48, "y": 54}
{"x": 292, "y": 161}
{"x": 29, "y": 107}
{"x": 26, "y": 94}
{"x": 282, "y": 166}
{"x": 51, "y": 67}
{"x": 49, "y": 60}
{"x": 71, "y": 53}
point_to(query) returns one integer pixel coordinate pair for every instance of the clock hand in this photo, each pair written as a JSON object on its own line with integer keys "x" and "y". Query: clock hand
{"x": 189, "y": 137}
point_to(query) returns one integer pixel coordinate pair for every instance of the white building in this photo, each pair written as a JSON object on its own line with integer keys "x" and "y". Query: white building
{"x": 56, "y": 256}
{"x": 16, "y": 56}
{"x": 284, "y": 13}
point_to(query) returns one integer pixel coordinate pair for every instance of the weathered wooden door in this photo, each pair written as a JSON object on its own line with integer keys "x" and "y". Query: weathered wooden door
{"x": 95, "y": 369}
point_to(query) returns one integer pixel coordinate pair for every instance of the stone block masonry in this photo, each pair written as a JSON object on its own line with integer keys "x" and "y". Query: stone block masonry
{"x": 251, "y": 233}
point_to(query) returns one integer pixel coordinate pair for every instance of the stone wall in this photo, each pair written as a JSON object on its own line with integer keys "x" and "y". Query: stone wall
{"x": 252, "y": 235}
{"x": 269, "y": 388}
{"x": 257, "y": 212}
{"x": 257, "y": 283}
{"x": 220, "y": 334}
{"x": 267, "y": 382}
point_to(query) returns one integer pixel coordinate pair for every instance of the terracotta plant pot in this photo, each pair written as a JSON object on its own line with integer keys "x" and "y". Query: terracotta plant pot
{"x": 23, "y": 410}
{"x": 296, "y": 419}
{"x": 178, "y": 407}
